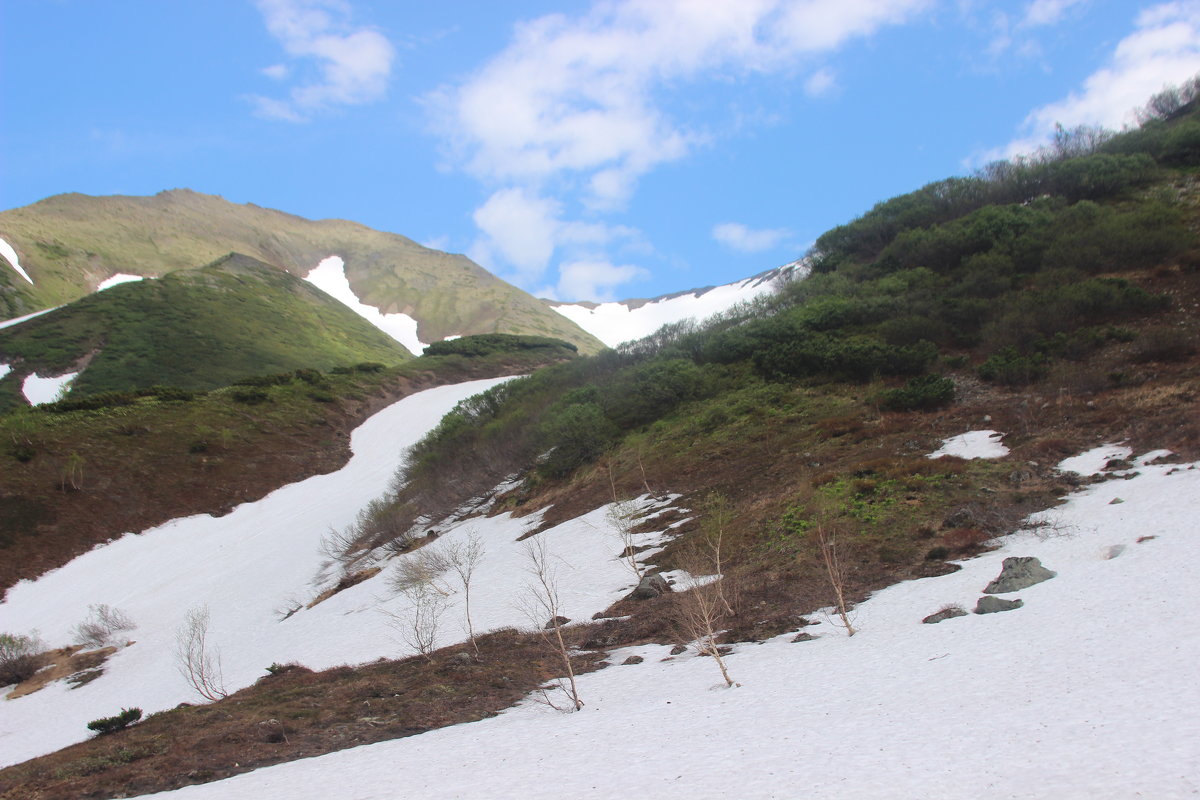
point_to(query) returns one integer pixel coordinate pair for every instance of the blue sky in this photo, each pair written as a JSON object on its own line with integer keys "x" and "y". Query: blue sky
{"x": 583, "y": 150}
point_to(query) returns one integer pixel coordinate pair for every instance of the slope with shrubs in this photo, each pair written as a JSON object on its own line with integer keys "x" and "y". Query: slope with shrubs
{"x": 193, "y": 329}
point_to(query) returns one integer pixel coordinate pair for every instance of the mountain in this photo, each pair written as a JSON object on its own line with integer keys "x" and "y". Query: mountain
{"x": 625, "y": 320}
{"x": 67, "y": 245}
{"x": 193, "y": 329}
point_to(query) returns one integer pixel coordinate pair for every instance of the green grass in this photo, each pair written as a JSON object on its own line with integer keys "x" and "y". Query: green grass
{"x": 196, "y": 329}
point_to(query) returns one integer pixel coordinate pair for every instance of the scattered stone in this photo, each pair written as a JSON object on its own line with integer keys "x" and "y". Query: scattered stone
{"x": 1019, "y": 476}
{"x": 1112, "y": 551}
{"x": 992, "y": 605}
{"x": 803, "y": 637}
{"x": 678, "y": 649}
{"x": 632, "y": 660}
{"x": 1019, "y": 572}
{"x": 1115, "y": 501}
{"x": 556, "y": 622}
{"x": 462, "y": 659}
{"x": 650, "y": 587}
{"x": 949, "y": 612}
{"x": 1141, "y": 539}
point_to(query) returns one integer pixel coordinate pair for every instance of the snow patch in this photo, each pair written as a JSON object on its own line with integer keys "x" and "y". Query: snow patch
{"x": 18, "y": 320}
{"x": 330, "y": 277}
{"x": 119, "y": 278}
{"x": 614, "y": 323}
{"x": 9, "y": 253}
{"x": 1092, "y": 462}
{"x": 4, "y": 370}
{"x": 973, "y": 444}
{"x": 1043, "y": 701}
{"x": 39, "y": 390}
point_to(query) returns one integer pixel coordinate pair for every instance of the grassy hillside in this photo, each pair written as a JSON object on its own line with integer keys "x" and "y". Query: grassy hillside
{"x": 70, "y": 243}
{"x": 194, "y": 329}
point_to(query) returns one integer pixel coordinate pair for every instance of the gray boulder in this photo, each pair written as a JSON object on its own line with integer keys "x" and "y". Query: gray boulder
{"x": 650, "y": 587}
{"x": 991, "y": 605}
{"x": 556, "y": 622}
{"x": 1019, "y": 572}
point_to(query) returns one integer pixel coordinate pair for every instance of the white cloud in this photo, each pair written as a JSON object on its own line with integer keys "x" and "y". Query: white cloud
{"x": 820, "y": 82}
{"x": 353, "y": 62}
{"x": 1046, "y": 12}
{"x": 1164, "y": 49}
{"x": 522, "y": 227}
{"x": 737, "y": 236}
{"x": 594, "y": 280}
{"x": 572, "y": 108}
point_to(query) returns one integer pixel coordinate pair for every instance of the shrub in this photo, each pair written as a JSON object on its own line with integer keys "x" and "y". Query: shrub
{"x": 1013, "y": 369}
{"x": 104, "y": 725}
{"x": 577, "y": 435}
{"x": 279, "y": 379}
{"x": 1163, "y": 345}
{"x": 922, "y": 392}
{"x": 101, "y": 623}
{"x": 250, "y": 396}
{"x": 20, "y": 657}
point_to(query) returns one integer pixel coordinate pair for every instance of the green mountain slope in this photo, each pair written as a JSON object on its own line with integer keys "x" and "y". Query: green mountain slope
{"x": 194, "y": 329}
{"x": 70, "y": 243}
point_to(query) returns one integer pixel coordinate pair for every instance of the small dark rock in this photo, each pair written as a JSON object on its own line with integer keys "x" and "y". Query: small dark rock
{"x": 1019, "y": 572}
{"x": 1115, "y": 501}
{"x": 949, "y": 612}
{"x": 678, "y": 649}
{"x": 992, "y": 605}
{"x": 803, "y": 637}
{"x": 1117, "y": 463}
{"x": 556, "y": 622}
{"x": 633, "y": 660}
{"x": 462, "y": 659}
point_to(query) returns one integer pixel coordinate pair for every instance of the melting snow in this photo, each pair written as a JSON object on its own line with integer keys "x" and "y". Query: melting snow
{"x": 9, "y": 253}
{"x": 1093, "y": 461}
{"x": 330, "y": 277}
{"x": 1086, "y": 691}
{"x": 18, "y": 320}
{"x": 4, "y": 370}
{"x": 253, "y": 565}
{"x": 973, "y": 444}
{"x": 119, "y": 278}
{"x": 39, "y": 390}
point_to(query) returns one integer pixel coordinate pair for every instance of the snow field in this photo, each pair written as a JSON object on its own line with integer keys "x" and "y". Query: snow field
{"x": 973, "y": 444}
{"x": 251, "y": 566}
{"x": 117, "y": 279}
{"x": 39, "y": 390}
{"x": 330, "y": 277}
{"x": 1087, "y": 691}
{"x": 18, "y": 320}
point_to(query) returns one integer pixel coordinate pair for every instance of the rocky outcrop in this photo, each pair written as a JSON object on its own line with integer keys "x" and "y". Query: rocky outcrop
{"x": 1019, "y": 572}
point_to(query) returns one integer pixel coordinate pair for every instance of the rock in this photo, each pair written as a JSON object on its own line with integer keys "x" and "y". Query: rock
{"x": 463, "y": 659}
{"x": 556, "y": 622}
{"x": 1019, "y": 476}
{"x": 960, "y": 518}
{"x": 1117, "y": 463}
{"x": 991, "y": 605}
{"x": 1019, "y": 572}
{"x": 650, "y": 587}
{"x": 949, "y": 612}
{"x": 1112, "y": 551}
{"x": 632, "y": 660}
{"x": 678, "y": 650}
{"x": 803, "y": 637}
{"x": 1115, "y": 501}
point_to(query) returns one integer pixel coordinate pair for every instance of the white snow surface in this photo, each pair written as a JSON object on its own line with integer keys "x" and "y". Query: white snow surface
{"x": 1087, "y": 691}
{"x": 9, "y": 253}
{"x": 617, "y": 322}
{"x": 18, "y": 320}
{"x": 330, "y": 277}
{"x": 252, "y": 565}
{"x": 119, "y": 278}
{"x": 5, "y": 369}
{"x": 39, "y": 390}
{"x": 1092, "y": 462}
{"x": 972, "y": 444}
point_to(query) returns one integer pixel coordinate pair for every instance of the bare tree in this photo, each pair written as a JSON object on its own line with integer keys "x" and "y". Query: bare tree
{"x": 425, "y": 568}
{"x": 101, "y": 623}
{"x": 199, "y": 663}
{"x": 834, "y": 570}
{"x": 701, "y": 608}
{"x": 464, "y": 558}
{"x": 543, "y": 604}
{"x": 418, "y": 629}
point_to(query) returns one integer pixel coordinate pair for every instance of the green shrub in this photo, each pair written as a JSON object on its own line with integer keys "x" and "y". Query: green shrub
{"x": 279, "y": 379}
{"x": 576, "y": 436}
{"x": 310, "y": 376}
{"x": 104, "y": 725}
{"x": 250, "y": 396}
{"x": 1163, "y": 345}
{"x": 1013, "y": 369}
{"x": 920, "y": 393}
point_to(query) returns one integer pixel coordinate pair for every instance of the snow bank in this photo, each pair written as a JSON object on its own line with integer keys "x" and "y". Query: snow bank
{"x": 10, "y": 254}
{"x": 39, "y": 390}
{"x": 119, "y": 278}
{"x": 973, "y": 444}
{"x": 330, "y": 277}
{"x": 4, "y": 370}
{"x": 1092, "y": 462}
{"x": 254, "y": 565}
{"x": 1083, "y": 692}
{"x": 614, "y": 323}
